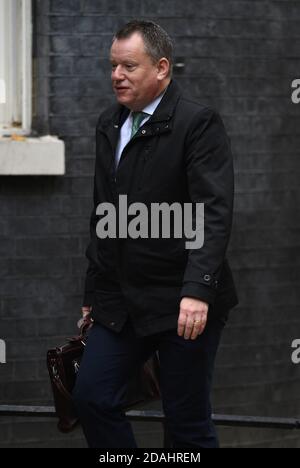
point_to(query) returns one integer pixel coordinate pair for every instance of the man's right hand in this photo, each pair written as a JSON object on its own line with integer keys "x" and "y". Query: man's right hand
{"x": 86, "y": 310}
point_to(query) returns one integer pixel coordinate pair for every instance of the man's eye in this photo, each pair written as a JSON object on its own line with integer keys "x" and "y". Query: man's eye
{"x": 129, "y": 67}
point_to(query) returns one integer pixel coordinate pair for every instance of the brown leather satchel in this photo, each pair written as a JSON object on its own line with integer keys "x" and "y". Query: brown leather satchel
{"x": 63, "y": 364}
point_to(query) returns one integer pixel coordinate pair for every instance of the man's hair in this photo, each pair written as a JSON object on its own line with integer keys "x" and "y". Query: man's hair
{"x": 157, "y": 42}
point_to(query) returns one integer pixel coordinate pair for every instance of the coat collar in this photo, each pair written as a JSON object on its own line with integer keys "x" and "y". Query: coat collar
{"x": 164, "y": 111}
{"x": 160, "y": 122}
{"x": 166, "y": 107}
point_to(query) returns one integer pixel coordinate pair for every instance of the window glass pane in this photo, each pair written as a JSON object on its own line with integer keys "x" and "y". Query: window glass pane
{"x": 11, "y": 59}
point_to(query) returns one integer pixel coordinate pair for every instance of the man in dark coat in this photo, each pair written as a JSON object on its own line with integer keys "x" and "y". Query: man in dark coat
{"x": 150, "y": 293}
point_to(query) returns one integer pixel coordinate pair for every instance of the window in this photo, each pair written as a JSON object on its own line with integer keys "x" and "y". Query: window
{"x": 15, "y": 66}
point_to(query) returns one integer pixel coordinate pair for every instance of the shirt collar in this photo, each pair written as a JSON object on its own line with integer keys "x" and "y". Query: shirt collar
{"x": 150, "y": 108}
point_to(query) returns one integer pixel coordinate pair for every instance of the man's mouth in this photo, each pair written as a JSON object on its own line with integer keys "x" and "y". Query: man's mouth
{"x": 121, "y": 88}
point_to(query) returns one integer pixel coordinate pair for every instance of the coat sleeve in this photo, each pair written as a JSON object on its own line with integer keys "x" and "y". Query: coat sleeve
{"x": 209, "y": 169}
{"x": 91, "y": 254}
{"x": 91, "y": 251}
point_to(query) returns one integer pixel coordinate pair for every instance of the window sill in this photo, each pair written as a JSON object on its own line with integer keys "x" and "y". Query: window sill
{"x": 32, "y": 156}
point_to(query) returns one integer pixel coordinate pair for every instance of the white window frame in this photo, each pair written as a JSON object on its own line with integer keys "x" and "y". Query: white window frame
{"x": 15, "y": 67}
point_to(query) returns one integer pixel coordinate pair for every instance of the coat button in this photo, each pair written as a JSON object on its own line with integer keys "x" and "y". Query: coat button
{"x": 144, "y": 132}
{"x": 112, "y": 324}
{"x": 207, "y": 277}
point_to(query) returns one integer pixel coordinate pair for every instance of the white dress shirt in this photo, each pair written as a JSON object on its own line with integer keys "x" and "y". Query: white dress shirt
{"x": 125, "y": 133}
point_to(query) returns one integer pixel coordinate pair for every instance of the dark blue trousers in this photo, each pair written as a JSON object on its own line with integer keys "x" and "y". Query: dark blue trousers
{"x": 186, "y": 376}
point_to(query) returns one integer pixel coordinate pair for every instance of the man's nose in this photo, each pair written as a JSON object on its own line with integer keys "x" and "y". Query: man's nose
{"x": 117, "y": 74}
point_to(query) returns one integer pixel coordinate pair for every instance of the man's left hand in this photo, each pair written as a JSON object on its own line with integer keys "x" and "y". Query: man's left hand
{"x": 192, "y": 317}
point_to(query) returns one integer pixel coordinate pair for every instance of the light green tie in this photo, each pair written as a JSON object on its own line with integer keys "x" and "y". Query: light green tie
{"x": 137, "y": 118}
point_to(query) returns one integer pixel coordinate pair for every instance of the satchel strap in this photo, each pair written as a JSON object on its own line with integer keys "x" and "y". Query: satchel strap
{"x": 61, "y": 387}
{"x": 85, "y": 326}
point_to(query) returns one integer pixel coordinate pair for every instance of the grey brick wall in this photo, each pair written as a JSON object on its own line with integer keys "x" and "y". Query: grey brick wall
{"x": 241, "y": 57}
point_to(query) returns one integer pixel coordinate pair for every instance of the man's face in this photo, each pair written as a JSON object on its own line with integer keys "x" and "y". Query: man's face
{"x": 135, "y": 78}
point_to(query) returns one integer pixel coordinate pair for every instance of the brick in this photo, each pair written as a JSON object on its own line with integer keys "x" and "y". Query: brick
{"x": 78, "y": 167}
{"x": 42, "y": 26}
{"x": 36, "y": 226}
{"x": 260, "y": 162}
{"x": 90, "y": 87}
{"x": 26, "y": 328}
{"x": 62, "y": 24}
{"x": 105, "y": 7}
{"x": 26, "y": 371}
{"x": 132, "y": 8}
{"x": 47, "y": 247}
{"x": 96, "y": 46}
{"x": 55, "y": 443}
{"x": 246, "y": 144}
{"x": 252, "y": 260}
{"x": 92, "y": 66}
{"x": 65, "y": 6}
{"x": 64, "y": 325}
{"x": 7, "y": 247}
{"x": 5, "y": 433}
{"x": 282, "y": 295}
{"x": 42, "y": 7}
{"x": 31, "y": 348}
{"x": 79, "y": 185}
{"x": 28, "y": 391}
{"x": 61, "y": 65}
{"x": 80, "y": 147}
{"x": 279, "y": 238}
{"x": 7, "y": 205}
{"x": 246, "y": 28}
{"x": 37, "y": 306}
{"x": 39, "y": 268}
{"x": 79, "y": 225}
{"x": 64, "y": 45}
{"x": 79, "y": 266}
{"x": 6, "y": 373}
{"x": 81, "y": 205}
{"x": 95, "y": 24}
{"x": 63, "y": 86}
{"x": 6, "y": 267}
{"x": 30, "y": 205}
{"x": 47, "y": 437}
{"x": 162, "y": 9}
{"x": 264, "y": 182}
{"x": 74, "y": 126}
{"x": 83, "y": 105}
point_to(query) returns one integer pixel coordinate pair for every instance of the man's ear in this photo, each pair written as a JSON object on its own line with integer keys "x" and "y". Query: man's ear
{"x": 163, "y": 68}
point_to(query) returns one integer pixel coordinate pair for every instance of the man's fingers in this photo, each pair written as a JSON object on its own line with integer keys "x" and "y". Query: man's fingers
{"x": 191, "y": 323}
{"x": 188, "y": 328}
{"x": 203, "y": 324}
{"x": 181, "y": 324}
{"x": 199, "y": 327}
{"x": 86, "y": 311}
{"x": 186, "y": 325}
{"x": 198, "y": 324}
{"x": 191, "y": 327}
